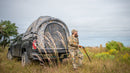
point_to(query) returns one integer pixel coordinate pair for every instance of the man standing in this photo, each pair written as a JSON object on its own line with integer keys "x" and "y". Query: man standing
{"x": 74, "y": 46}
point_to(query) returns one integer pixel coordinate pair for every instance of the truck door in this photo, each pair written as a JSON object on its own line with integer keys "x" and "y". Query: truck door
{"x": 18, "y": 46}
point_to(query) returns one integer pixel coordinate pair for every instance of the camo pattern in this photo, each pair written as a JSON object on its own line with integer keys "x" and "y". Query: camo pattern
{"x": 75, "y": 53}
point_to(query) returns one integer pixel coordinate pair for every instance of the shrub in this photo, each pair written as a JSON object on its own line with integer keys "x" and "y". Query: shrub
{"x": 104, "y": 55}
{"x": 113, "y": 51}
{"x": 125, "y": 49}
{"x": 116, "y": 45}
{"x": 126, "y": 56}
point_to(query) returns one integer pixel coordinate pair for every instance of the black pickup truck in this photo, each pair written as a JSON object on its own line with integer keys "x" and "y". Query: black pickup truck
{"x": 44, "y": 38}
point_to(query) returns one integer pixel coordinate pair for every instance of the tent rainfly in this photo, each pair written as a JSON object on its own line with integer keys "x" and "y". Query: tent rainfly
{"x": 52, "y": 32}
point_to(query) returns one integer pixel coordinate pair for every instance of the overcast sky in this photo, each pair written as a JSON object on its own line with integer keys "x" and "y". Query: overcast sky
{"x": 98, "y": 21}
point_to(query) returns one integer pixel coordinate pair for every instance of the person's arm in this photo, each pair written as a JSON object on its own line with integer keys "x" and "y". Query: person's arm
{"x": 71, "y": 43}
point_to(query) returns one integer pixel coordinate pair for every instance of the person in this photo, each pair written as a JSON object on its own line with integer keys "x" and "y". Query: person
{"x": 74, "y": 46}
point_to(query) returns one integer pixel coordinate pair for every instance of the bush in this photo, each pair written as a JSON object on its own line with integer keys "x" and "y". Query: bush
{"x": 113, "y": 51}
{"x": 125, "y": 49}
{"x": 104, "y": 55}
{"x": 113, "y": 48}
{"x": 126, "y": 56}
{"x": 116, "y": 45}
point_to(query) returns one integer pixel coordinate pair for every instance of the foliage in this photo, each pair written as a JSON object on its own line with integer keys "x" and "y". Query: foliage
{"x": 126, "y": 56}
{"x": 125, "y": 49}
{"x": 7, "y": 30}
{"x": 104, "y": 55}
{"x": 113, "y": 51}
{"x": 116, "y": 45}
{"x": 96, "y": 66}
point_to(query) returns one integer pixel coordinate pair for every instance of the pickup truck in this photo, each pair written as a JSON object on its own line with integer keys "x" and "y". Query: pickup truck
{"x": 33, "y": 45}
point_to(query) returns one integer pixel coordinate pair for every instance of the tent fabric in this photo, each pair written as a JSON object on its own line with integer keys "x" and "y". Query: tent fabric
{"x": 49, "y": 24}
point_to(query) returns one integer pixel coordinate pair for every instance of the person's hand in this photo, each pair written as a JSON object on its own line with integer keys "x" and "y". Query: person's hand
{"x": 83, "y": 47}
{"x": 80, "y": 46}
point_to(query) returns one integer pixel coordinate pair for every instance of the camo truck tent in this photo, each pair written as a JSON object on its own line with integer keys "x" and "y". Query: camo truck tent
{"x": 50, "y": 32}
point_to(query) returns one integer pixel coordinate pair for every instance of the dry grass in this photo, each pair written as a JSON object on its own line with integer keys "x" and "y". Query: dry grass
{"x": 96, "y": 66}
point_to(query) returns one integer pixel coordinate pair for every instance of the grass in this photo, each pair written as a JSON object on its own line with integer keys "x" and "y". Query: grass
{"x": 116, "y": 65}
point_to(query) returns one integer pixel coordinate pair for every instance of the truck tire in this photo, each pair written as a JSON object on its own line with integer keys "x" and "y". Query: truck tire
{"x": 25, "y": 59}
{"x": 61, "y": 60}
{"x": 9, "y": 55}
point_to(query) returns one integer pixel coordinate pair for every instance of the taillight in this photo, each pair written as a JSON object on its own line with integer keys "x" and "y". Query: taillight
{"x": 34, "y": 44}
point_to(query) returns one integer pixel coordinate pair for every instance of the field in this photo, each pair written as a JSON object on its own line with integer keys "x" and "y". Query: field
{"x": 119, "y": 64}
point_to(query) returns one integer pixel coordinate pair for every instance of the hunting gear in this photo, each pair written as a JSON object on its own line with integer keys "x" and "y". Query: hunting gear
{"x": 87, "y": 54}
{"x": 74, "y": 46}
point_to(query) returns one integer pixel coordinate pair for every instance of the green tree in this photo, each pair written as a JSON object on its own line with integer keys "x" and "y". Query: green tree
{"x": 116, "y": 45}
{"x": 7, "y": 30}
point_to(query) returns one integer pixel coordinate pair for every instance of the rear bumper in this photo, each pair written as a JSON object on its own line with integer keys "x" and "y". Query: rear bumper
{"x": 49, "y": 53}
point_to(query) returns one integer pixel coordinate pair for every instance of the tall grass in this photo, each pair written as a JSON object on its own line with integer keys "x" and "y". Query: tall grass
{"x": 48, "y": 39}
{"x": 116, "y": 65}
{"x": 120, "y": 64}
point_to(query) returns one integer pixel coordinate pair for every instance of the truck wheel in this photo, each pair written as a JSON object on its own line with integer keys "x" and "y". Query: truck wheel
{"x": 25, "y": 59}
{"x": 9, "y": 55}
{"x": 61, "y": 60}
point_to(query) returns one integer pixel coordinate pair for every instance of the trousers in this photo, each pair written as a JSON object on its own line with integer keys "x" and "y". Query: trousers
{"x": 77, "y": 57}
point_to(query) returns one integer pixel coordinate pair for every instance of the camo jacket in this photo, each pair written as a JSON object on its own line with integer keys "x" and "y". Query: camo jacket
{"x": 73, "y": 42}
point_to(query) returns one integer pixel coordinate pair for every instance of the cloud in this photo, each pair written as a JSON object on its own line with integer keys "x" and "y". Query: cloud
{"x": 92, "y": 18}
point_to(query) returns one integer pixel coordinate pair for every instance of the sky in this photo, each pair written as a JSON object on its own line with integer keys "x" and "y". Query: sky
{"x": 97, "y": 21}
